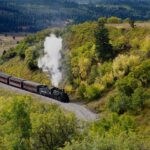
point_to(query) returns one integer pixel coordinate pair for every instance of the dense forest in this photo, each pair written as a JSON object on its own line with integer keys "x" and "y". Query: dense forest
{"x": 106, "y": 67}
{"x": 29, "y": 15}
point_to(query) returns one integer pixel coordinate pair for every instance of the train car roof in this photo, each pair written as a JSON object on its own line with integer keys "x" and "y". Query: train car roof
{"x": 32, "y": 83}
{"x": 4, "y": 75}
{"x": 55, "y": 88}
{"x": 17, "y": 79}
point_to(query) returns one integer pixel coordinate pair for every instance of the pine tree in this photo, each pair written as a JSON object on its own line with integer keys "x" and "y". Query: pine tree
{"x": 103, "y": 47}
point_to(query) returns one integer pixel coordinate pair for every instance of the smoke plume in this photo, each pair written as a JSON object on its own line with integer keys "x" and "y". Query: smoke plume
{"x": 50, "y": 61}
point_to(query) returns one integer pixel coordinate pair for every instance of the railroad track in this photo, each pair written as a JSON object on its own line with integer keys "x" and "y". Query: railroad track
{"x": 80, "y": 111}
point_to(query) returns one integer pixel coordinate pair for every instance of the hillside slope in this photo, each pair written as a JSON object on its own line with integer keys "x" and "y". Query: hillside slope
{"x": 32, "y": 16}
{"x": 26, "y": 54}
{"x": 108, "y": 69}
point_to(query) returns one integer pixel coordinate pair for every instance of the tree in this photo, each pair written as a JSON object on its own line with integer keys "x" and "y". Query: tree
{"x": 21, "y": 124}
{"x": 31, "y": 58}
{"x": 131, "y": 23}
{"x": 102, "y": 20}
{"x": 103, "y": 47}
{"x": 52, "y": 128}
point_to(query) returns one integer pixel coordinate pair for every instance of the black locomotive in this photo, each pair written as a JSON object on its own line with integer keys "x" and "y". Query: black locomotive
{"x": 53, "y": 92}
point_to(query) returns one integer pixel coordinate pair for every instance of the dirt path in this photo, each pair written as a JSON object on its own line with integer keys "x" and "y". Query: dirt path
{"x": 80, "y": 111}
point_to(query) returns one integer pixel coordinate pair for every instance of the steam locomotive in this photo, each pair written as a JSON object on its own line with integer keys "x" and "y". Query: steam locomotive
{"x": 53, "y": 92}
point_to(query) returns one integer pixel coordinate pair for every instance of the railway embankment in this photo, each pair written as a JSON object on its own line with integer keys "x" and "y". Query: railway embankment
{"x": 80, "y": 110}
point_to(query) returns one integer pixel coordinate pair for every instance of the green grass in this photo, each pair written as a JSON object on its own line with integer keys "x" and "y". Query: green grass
{"x": 18, "y": 68}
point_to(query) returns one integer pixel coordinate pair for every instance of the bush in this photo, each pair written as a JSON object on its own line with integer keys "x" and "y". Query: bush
{"x": 111, "y": 133}
{"x": 114, "y": 20}
{"x": 32, "y": 65}
{"x": 127, "y": 85}
{"x": 9, "y": 55}
{"x": 119, "y": 103}
{"x": 81, "y": 90}
{"x": 142, "y": 73}
{"x": 31, "y": 58}
{"x": 145, "y": 46}
{"x": 138, "y": 99}
{"x": 123, "y": 64}
{"x": 102, "y": 20}
{"x": 107, "y": 80}
{"x": 131, "y": 95}
{"x": 93, "y": 74}
{"x": 120, "y": 44}
{"x": 92, "y": 91}
{"x": 21, "y": 49}
{"x": 105, "y": 68}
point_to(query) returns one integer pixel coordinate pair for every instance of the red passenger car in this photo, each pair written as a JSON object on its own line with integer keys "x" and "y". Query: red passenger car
{"x": 31, "y": 86}
{"x": 17, "y": 82}
{"x": 4, "y": 78}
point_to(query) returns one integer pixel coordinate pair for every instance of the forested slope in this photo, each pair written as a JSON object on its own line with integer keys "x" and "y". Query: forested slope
{"x": 31, "y": 15}
{"x": 112, "y": 66}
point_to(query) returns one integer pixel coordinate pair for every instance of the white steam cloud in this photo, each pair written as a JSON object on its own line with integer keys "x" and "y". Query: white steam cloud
{"x": 50, "y": 61}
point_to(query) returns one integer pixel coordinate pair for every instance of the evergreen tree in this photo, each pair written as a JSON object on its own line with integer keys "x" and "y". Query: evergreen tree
{"x": 103, "y": 47}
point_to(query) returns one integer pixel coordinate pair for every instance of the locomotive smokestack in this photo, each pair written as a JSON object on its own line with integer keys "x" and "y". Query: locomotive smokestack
{"x": 50, "y": 61}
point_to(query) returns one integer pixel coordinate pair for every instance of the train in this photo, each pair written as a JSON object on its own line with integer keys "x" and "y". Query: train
{"x": 53, "y": 92}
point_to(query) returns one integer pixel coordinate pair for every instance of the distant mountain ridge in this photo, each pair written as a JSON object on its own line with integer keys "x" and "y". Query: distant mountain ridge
{"x": 31, "y": 15}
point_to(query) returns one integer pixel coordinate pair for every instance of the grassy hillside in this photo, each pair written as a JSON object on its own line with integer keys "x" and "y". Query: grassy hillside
{"x": 9, "y": 41}
{"x": 108, "y": 68}
{"x": 21, "y": 61}
{"x": 22, "y": 71}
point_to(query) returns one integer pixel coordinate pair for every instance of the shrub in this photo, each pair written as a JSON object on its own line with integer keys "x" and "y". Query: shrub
{"x": 92, "y": 91}
{"x": 102, "y": 20}
{"x": 138, "y": 98}
{"x": 21, "y": 49}
{"x": 123, "y": 64}
{"x": 92, "y": 75}
{"x": 81, "y": 90}
{"x": 107, "y": 80}
{"x": 145, "y": 46}
{"x": 119, "y": 133}
{"x": 142, "y": 73}
{"x": 120, "y": 44}
{"x": 119, "y": 103}
{"x": 104, "y": 68}
{"x": 31, "y": 58}
{"x": 9, "y": 54}
{"x": 135, "y": 43}
{"x": 114, "y": 20}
